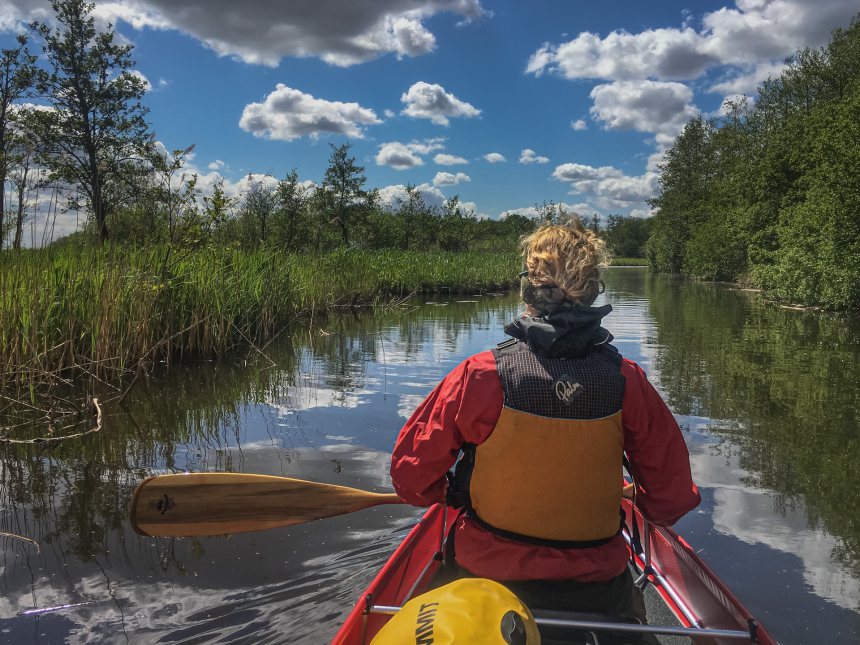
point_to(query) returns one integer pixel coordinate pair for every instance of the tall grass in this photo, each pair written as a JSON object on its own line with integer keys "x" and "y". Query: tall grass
{"x": 71, "y": 311}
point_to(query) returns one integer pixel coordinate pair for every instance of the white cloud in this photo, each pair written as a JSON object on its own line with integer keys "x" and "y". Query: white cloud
{"x": 264, "y": 32}
{"x": 642, "y": 213}
{"x": 287, "y": 114}
{"x": 655, "y": 53}
{"x": 389, "y": 114}
{"x": 574, "y": 172}
{"x": 393, "y": 196}
{"x": 610, "y": 186}
{"x": 646, "y": 106}
{"x": 450, "y": 179}
{"x": 401, "y": 156}
{"x": 494, "y": 157}
{"x": 398, "y": 156}
{"x": 754, "y": 31}
{"x": 216, "y": 165}
{"x": 579, "y": 124}
{"x": 430, "y": 101}
{"x": 583, "y": 209}
{"x": 528, "y": 156}
{"x": 471, "y": 209}
{"x": 449, "y": 160}
{"x": 748, "y": 79}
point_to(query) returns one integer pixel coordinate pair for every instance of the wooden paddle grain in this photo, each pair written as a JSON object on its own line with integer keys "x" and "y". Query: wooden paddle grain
{"x": 197, "y": 504}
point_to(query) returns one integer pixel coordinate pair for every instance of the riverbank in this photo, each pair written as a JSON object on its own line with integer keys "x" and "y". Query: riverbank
{"x": 103, "y": 313}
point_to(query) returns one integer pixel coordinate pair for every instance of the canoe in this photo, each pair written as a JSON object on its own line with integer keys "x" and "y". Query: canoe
{"x": 681, "y": 590}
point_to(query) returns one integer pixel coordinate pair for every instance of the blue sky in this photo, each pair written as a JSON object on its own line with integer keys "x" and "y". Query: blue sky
{"x": 579, "y": 99}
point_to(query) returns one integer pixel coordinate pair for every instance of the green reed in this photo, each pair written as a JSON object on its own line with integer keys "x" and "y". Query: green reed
{"x": 71, "y": 311}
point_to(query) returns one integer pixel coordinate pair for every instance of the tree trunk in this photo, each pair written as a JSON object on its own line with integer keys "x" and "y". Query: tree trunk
{"x": 19, "y": 223}
{"x": 100, "y": 211}
{"x": 2, "y": 208}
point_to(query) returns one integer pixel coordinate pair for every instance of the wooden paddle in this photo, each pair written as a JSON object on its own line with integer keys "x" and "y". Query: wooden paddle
{"x": 193, "y": 504}
{"x": 196, "y": 504}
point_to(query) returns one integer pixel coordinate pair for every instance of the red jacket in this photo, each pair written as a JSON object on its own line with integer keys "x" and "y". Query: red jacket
{"x": 464, "y": 408}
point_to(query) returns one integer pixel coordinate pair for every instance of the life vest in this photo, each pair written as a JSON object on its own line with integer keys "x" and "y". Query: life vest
{"x": 550, "y": 472}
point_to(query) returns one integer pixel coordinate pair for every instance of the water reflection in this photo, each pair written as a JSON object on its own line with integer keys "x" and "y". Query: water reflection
{"x": 767, "y": 397}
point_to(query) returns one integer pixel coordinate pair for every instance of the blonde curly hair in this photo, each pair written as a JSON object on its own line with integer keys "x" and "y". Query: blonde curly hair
{"x": 567, "y": 256}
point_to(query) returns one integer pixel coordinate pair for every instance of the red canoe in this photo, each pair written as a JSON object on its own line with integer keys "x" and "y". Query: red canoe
{"x": 699, "y": 604}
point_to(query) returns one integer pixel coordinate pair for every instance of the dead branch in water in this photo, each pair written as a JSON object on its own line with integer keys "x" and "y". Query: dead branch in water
{"x": 15, "y": 536}
{"x": 56, "y": 439}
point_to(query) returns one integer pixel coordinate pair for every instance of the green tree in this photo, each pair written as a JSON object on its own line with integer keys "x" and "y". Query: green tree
{"x": 291, "y": 209}
{"x": 17, "y": 73}
{"x": 96, "y": 135}
{"x": 683, "y": 198}
{"x": 343, "y": 186}
{"x": 457, "y": 230}
{"x": 416, "y": 222}
{"x": 258, "y": 209}
{"x": 626, "y": 236}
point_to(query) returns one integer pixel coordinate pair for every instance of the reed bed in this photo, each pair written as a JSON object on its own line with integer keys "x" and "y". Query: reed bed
{"x": 70, "y": 311}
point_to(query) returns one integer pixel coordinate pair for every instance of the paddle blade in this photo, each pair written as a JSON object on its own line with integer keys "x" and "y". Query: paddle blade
{"x": 196, "y": 504}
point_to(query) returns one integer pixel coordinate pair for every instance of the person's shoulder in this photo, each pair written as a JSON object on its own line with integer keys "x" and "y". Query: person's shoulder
{"x": 481, "y": 361}
{"x": 631, "y": 370}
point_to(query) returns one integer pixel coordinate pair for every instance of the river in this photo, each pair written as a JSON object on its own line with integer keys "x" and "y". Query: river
{"x": 767, "y": 398}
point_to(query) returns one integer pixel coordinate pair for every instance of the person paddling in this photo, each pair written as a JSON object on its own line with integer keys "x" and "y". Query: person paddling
{"x": 541, "y": 423}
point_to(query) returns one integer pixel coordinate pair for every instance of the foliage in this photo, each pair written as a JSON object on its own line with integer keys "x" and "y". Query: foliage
{"x": 17, "y": 71}
{"x": 771, "y": 190}
{"x": 626, "y": 236}
{"x": 95, "y": 135}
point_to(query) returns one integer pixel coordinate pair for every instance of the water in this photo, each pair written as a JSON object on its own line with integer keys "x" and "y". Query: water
{"x": 767, "y": 398}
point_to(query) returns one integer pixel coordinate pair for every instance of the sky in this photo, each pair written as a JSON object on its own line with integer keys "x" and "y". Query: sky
{"x": 505, "y": 104}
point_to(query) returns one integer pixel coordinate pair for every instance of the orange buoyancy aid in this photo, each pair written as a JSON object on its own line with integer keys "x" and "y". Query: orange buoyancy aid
{"x": 550, "y": 472}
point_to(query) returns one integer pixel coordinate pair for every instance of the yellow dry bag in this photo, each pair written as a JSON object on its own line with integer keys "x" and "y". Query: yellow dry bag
{"x": 472, "y": 610}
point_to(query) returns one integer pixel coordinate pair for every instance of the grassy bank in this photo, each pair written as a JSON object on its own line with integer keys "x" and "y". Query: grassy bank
{"x": 104, "y": 312}
{"x": 629, "y": 262}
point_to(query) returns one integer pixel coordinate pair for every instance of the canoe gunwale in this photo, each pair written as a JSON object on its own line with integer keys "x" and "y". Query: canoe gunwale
{"x": 700, "y": 601}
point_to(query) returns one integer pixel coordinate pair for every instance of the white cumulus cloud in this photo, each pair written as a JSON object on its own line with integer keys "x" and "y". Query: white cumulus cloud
{"x": 751, "y": 32}
{"x": 431, "y": 101}
{"x": 494, "y": 157}
{"x": 449, "y": 160}
{"x": 579, "y": 124}
{"x": 401, "y": 156}
{"x": 450, "y": 179}
{"x": 608, "y": 184}
{"x": 393, "y": 196}
{"x": 287, "y": 114}
{"x": 645, "y": 106}
{"x": 747, "y": 81}
{"x": 528, "y": 156}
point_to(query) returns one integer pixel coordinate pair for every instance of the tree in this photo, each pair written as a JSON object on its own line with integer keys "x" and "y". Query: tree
{"x": 626, "y": 236}
{"x": 21, "y": 177}
{"x": 415, "y": 220}
{"x": 344, "y": 189}
{"x": 96, "y": 134}
{"x": 16, "y": 81}
{"x": 291, "y": 199}
{"x": 456, "y": 229}
{"x": 683, "y": 200}
{"x": 258, "y": 209}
